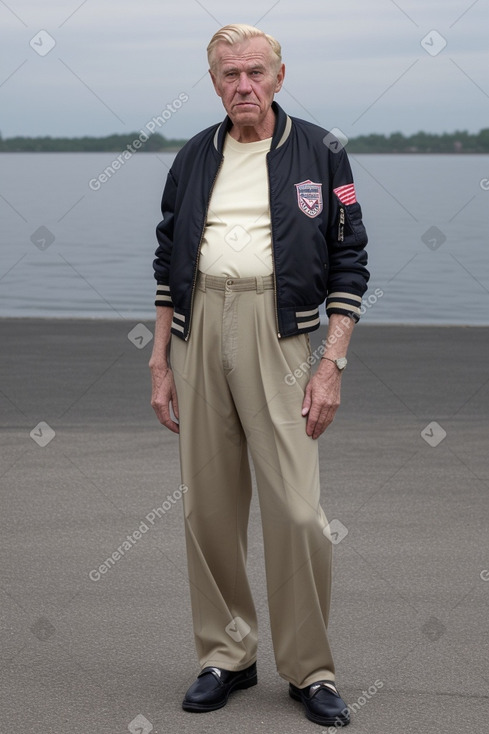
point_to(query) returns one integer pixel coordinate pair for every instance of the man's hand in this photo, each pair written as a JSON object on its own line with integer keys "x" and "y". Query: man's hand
{"x": 322, "y": 398}
{"x": 163, "y": 393}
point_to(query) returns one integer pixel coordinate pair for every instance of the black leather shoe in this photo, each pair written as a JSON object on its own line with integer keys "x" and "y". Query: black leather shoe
{"x": 323, "y": 703}
{"x": 212, "y": 688}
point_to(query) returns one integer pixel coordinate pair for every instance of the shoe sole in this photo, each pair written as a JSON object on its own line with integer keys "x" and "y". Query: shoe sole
{"x": 324, "y": 721}
{"x": 200, "y": 708}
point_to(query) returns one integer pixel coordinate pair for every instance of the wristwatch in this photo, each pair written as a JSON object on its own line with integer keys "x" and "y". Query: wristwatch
{"x": 341, "y": 362}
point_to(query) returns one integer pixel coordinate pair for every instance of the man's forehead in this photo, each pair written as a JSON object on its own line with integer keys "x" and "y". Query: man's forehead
{"x": 254, "y": 50}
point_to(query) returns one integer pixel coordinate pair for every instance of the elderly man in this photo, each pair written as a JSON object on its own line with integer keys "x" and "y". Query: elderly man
{"x": 260, "y": 226}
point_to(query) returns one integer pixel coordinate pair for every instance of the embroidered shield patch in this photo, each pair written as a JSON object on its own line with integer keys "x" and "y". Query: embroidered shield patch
{"x": 310, "y": 198}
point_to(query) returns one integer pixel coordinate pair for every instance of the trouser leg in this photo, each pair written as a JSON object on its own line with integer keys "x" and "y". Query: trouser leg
{"x": 214, "y": 466}
{"x": 234, "y": 365}
{"x": 297, "y": 553}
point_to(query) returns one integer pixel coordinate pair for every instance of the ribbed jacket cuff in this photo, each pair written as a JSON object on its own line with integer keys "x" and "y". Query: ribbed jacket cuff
{"x": 163, "y": 297}
{"x": 348, "y": 304}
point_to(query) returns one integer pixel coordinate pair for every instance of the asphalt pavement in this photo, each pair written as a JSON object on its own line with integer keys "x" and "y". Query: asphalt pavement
{"x": 96, "y": 631}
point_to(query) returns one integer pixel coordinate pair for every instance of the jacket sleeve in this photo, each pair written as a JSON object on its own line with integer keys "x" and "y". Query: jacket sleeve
{"x": 164, "y": 235}
{"x": 346, "y": 240}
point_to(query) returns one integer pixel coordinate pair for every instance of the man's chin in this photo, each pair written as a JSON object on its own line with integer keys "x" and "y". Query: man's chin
{"x": 245, "y": 116}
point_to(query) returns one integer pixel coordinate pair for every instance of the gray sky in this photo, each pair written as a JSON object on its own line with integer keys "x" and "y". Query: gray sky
{"x": 359, "y": 65}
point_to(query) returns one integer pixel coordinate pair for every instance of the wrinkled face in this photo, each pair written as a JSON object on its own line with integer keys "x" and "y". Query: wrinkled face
{"x": 246, "y": 76}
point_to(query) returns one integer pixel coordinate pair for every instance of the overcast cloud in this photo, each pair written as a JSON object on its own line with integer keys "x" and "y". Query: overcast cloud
{"x": 355, "y": 65}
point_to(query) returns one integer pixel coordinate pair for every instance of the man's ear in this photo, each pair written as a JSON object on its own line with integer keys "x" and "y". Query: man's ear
{"x": 280, "y": 78}
{"x": 214, "y": 82}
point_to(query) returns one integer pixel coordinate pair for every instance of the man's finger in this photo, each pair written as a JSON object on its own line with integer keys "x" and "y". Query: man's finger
{"x": 174, "y": 404}
{"x": 324, "y": 420}
{"x": 173, "y": 411}
{"x": 312, "y": 420}
{"x": 163, "y": 414}
{"x": 174, "y": 427}
{"x": 306, "y": 403}
{"x": 166, "y": 420}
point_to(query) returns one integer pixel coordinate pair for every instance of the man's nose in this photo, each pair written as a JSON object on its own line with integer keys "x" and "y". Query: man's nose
{"x": 244, "y": 86}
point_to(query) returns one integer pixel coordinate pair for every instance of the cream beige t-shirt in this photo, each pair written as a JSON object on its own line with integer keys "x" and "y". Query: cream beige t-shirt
{"x": 237, "y": 239}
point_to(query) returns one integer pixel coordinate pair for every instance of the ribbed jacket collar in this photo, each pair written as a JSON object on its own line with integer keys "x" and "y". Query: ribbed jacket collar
{"x": 281, "y": 132}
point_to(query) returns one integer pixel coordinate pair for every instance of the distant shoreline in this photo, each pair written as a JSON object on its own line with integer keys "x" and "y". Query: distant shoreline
{"x": 421, "y": 143}
{"x": 11, "y": 320}
{"x": 176, "y": 150}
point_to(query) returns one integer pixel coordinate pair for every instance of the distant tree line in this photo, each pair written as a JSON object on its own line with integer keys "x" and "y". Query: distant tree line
{"x": 421, "y": 142}
{"x": 457, "y": 142}
{"x": 110, "y": 143}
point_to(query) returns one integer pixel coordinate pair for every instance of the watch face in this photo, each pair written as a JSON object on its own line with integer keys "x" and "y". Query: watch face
{"x": 341, "y": 363}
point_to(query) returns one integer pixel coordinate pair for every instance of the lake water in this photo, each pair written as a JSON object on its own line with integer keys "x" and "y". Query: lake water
{"x": 68, "y": 250}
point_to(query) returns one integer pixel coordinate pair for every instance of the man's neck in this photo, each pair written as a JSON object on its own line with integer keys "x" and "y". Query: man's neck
{"x": 252, "y": 134}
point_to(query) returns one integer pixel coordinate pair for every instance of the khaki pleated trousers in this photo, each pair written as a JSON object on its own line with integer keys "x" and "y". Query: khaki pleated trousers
{"x": 232, "y": 395}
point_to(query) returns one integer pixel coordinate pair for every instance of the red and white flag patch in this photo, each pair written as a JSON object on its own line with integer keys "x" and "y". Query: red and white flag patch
{"x": 346, "y": 194}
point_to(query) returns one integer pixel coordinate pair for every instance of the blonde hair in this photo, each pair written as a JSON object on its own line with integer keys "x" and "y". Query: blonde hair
{"x": 237, "y": 33}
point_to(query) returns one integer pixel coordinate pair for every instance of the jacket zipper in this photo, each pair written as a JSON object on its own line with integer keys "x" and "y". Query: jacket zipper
{"x": 273, "y": 254}
{"x": 196, "y": 269}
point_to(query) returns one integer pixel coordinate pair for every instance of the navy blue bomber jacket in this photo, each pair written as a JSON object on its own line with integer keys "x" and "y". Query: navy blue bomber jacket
{"x": 318, "y": 238}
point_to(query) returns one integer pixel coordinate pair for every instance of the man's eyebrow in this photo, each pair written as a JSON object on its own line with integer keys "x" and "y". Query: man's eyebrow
{"x": 252, "y": 67}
